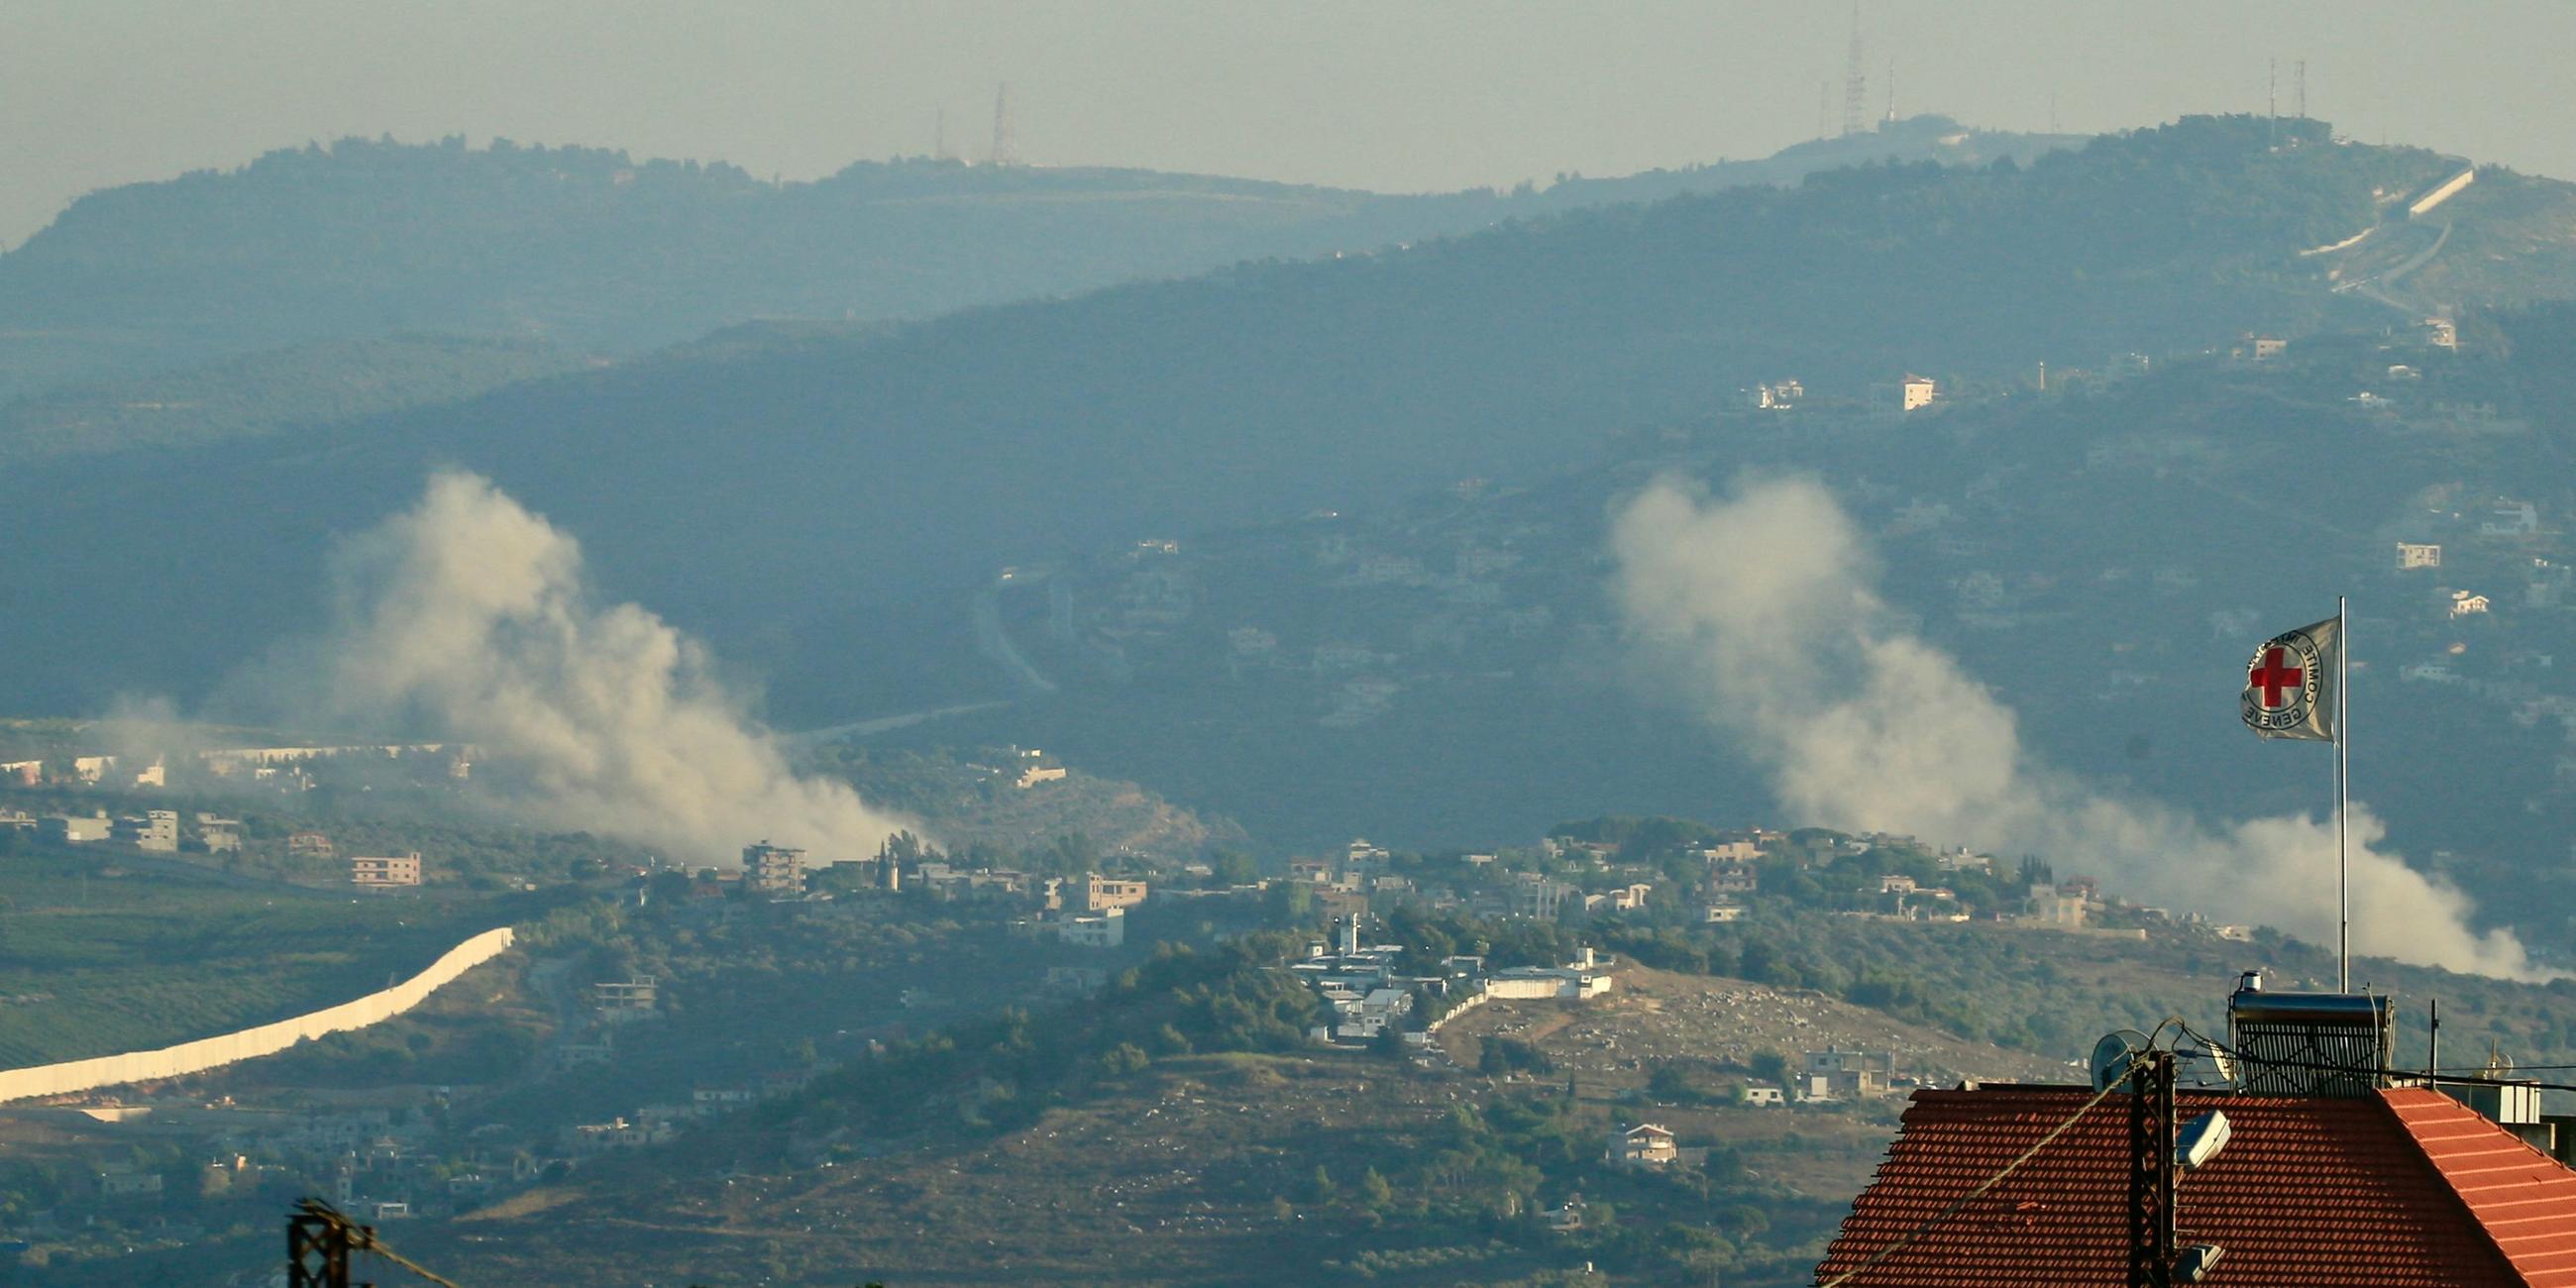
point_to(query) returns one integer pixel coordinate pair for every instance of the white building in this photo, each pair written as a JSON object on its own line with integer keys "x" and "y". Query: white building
{"x": 1778, "y": 397}
{"x": 1570, "y": 983}
{"x": 2511, "y": 519}
{"x": 1361, "y": 1016}
{"x": 1644, "y": 1145}
{"x": 1536, "y": 896}
{"x": 1834, "y": 1073}
{"x": 73, "y": 829}
{"x": 1104, "y": 930}
{"x": 2051, "y": 907}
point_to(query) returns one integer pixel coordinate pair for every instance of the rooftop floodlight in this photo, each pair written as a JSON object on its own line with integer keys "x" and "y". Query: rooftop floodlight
{"x": 2196, "y": 1262}
{"x": 2201, "y": 1139}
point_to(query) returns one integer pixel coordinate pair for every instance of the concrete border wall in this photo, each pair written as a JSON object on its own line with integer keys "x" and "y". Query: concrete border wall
{"x": 248, "y": 1044}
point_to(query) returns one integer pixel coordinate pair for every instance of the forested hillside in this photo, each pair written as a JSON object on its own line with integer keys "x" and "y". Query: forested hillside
{"x": 592, "y": 250}
{"x": 820, "y": 505}
{"x": 255, "y": 394}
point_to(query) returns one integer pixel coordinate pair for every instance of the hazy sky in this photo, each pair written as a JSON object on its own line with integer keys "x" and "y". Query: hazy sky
{"x": 1388, "y": 94}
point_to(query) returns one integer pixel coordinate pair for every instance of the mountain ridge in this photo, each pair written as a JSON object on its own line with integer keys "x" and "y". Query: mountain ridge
{"x": 592, "y": 250}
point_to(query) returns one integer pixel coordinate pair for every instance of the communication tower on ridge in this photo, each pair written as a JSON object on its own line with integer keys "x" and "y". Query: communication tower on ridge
{"x": 1006, "y": 149}
{"x": 1855, "y": 79}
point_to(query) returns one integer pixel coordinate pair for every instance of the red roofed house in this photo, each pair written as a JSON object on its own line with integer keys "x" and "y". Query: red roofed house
{"x": 2400, "y": 1187}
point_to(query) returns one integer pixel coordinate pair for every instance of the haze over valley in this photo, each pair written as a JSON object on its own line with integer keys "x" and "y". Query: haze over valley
{"x": 1081, "y": 723}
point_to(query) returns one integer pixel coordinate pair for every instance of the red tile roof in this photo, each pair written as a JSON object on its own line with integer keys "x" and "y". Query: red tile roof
{"x": 2406, "y": 1189}
{"x": 2524, "y": 1199}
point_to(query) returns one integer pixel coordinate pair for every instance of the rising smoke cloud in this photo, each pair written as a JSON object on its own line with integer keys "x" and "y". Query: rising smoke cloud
{"x": 469, "y": 617}
{"x": 1762, "y": 602}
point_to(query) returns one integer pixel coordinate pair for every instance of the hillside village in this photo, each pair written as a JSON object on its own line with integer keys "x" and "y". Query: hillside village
{"x": 1477, "y": 583}
{"x": 1677, "y": 984}
{"x": 1413, "y": 957}
{"x": 1372, "y": 636}
{"x": 1456, "y": 964}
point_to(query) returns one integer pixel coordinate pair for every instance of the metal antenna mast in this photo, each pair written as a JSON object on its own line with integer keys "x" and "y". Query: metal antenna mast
{"x": 1006, "y": 149}
{"x": 1855, "y": 79}
{"x": 2303, "y": 88}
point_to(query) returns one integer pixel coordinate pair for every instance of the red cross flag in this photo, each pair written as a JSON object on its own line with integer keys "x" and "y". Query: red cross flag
{"x": 2290, "y": 683}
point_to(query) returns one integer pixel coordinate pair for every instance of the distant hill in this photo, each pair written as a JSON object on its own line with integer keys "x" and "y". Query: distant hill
{"x": 590, "y": 249}
{"x": 255, "y": 394}
{"x": 822, "y": 504}
{"x": 1452, "y": 670}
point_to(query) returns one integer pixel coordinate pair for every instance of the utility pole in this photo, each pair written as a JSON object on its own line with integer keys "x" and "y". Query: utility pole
{"x": 2151, "y": 1170}
{"x": 317, "y": 1246}
{"x": 2433, "y": 1056}
{"x": 319, "y": 1239}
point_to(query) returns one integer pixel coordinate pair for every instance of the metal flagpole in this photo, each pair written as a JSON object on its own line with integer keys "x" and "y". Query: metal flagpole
{"x": 2343, "y": 794}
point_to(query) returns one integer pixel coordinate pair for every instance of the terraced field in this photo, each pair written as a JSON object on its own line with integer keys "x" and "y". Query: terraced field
{"x": 97, "y": 958}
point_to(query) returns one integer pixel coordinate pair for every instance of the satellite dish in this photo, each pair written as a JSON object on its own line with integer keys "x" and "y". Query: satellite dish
{"x": 2111, "y": 1056}
{"x": 2223, "y": 1061}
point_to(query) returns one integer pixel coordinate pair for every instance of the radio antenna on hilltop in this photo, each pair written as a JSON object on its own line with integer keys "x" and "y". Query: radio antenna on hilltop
{"x": 2303, "y": 88}
{"x": 1006, "y": 149}
{"x": 2272, "y": 103}
{"x": 1855, "y": 79}
{"x": 1891, "y": 91}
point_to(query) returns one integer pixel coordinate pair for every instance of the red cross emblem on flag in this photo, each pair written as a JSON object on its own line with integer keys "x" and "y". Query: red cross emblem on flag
{"x": 2286, "y": 683}
{"x": 2276, "y": 680}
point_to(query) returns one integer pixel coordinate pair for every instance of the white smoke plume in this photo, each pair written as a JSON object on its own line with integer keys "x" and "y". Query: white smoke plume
{"x": 1763, "y": 603}
{"x": 468, "y": 616}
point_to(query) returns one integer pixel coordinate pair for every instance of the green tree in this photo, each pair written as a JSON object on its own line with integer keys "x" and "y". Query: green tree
{"x": 1232, "y": 867}
{"x": 1769, "y": 1066}
{"x": 1668, "y": 1083}
{"x": 1291, "y": 903}
{"x": 1747, "y": 1221}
